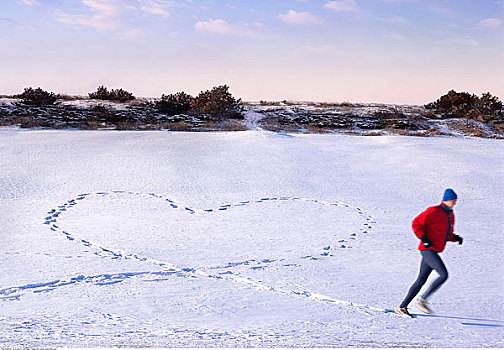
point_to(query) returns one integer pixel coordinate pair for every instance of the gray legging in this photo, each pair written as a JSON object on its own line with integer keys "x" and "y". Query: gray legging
{"x": 430, "y": 261}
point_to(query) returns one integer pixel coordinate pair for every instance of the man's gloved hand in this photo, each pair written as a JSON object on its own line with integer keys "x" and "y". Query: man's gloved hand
{"x": 426, "y": 242}
{"x": 458, "y": 239}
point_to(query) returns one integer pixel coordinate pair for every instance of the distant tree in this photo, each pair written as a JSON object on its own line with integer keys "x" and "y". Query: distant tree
{"x": 121, "y": 95}
{"x": 101, "y": 93}
{"x": 465, "y": 105}
{"x": 454, "y": 104}
{"x": 37, "y": 97}
{"x": 118, "y": 95}
{"x": 489, "y": 106}
{"x": 174, "y": 104}
{"x": 218, "y": 103}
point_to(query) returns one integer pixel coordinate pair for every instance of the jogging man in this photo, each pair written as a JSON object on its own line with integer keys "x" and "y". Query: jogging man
{"x": 434, "y": 227}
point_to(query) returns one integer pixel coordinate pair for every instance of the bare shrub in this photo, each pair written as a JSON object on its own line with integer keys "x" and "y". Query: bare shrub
{"x": 465, "y": 105}
{"x": 218, "y": 103}
{"x": 174, "y": 104}
{"x": 118, "y": 95}
{"x": 37, "y": 97}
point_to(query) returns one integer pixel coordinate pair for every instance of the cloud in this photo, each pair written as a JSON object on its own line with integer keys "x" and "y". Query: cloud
{"x": 107, "y": 12}
{"x": 396, "y": 20}
{"x": 107, "y": 7}
{"x": 8, "y": 22}
{"x": 293, "y": 17}
{"x": 438, "y": 8}
{"x": 319, "y": 49}
{"x": 343, "y": 6}
{"x": 156, "y": 8}
{"x": 431, "y": 5}
{"x": 137, "y": 34}
{"x": 98, "y": 21}
{"x": 387, "y": 34}
{"x": 459, "y": 41}
{"x": 465, "y": 41}
{"x": 220, "y": 26}
{"x": 30, "y": 2}
{"x": 492, "y": 23}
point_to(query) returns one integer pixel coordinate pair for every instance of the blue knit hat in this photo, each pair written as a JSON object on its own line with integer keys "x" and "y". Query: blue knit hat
{"x": 449, "y": 194}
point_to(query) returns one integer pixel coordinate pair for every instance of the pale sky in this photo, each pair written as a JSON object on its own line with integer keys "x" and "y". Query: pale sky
{"x": 391, "y": 51}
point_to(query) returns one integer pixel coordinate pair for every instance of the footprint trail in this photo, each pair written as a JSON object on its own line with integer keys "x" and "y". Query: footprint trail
{"x": 168, "y": 269}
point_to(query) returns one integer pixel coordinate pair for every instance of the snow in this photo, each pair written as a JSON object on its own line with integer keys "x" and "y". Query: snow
{"x": 251, "y": 120}
{"x": 243, "y": 239}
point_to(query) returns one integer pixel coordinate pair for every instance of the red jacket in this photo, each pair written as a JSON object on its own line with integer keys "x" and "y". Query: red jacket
{"x": 433, "y": 222}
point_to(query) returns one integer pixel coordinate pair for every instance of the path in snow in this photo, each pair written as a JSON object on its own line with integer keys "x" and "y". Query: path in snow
{"x": 252, "y": 119}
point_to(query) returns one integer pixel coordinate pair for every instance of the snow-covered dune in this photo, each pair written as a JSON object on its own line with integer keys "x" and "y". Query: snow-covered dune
{"x": 242, "y": 239}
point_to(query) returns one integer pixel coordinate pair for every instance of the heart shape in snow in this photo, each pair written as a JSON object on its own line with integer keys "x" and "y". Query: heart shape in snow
{"x": 245, "y": 237}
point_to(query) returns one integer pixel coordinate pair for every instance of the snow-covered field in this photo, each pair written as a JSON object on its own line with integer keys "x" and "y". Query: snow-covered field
{"x": 242, "y": 239}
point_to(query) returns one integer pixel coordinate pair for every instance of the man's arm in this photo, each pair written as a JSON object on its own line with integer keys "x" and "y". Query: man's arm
{"x": 420, "y": 224}
{"x": 420, "y": 228}
{"x": 453, "y": 237}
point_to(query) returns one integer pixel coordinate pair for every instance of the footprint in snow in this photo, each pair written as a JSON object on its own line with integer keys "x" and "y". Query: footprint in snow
{"x": 262, "y": 264}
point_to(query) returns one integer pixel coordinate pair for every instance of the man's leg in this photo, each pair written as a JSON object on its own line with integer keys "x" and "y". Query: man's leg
{"x": 434, "y": 261}
{"x": 424, "y": 273}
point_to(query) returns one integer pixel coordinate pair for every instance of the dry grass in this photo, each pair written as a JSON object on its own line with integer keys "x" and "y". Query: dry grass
{"x": 92, "y": 125}
{"x": 272, "y": 124}
{"x": 11, "y": 121}
{"x": 352, "y": 132}
{"x": 27, "y": 123}
{"x": 222, "y": 125}
{"x": 208, "y": 125}
{"x": 66, "y": 97}
{"x": 315, "y": 129}
{"x": 374, "y": 133}
{"x": 304, "y": 103}
{"x": 175, "y": 126}
{"x": 127, "y": 126}
{"x": 418, "y": 133}
{"x": 468, "y": 128}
